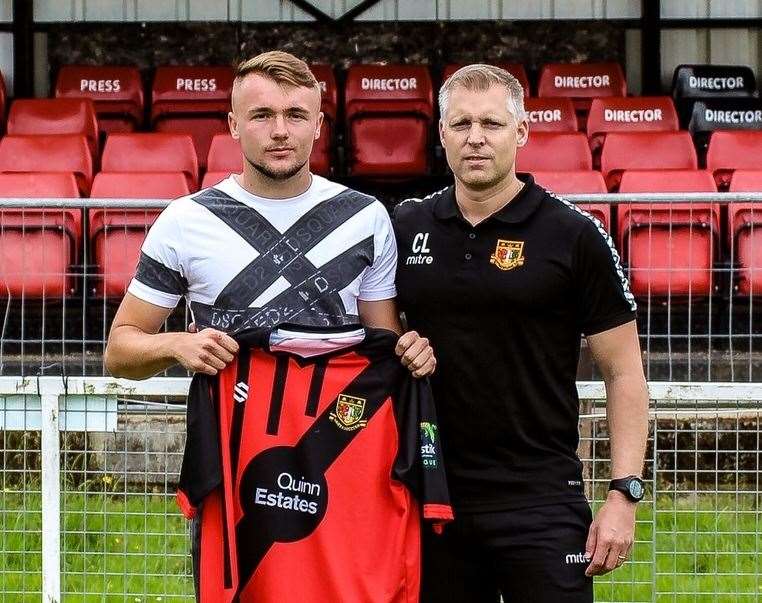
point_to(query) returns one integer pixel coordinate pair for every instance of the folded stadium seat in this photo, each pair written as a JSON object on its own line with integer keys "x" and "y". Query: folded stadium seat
{"x": 192, "y": 100}
{"x": 691, "y": 83}
{"x": 629, "y": 114}
{"x": 729, "y": 151}
{"x": 116, "y": 92}
{"x": 151, "y": 152}
{"x": 389, "y": 110}
{"x": 580, "y": 182}
{"x": 116, "y": 235}
{"x": 515, "y": 69}
{"x": 723, "y": 114}
{"x": 582, "y": 82}
{"x": 39, "y": 245}
{"x": 670, "y": 248}
{"x": 745, "y": 233}
{"x": 557, "y": 152}
{"x": 224, "y": 159}
{"x": 645, "y": 151}
{"x": 320, "y": 160}
{"x": 68, "y": 153}
{"x": 36, "y": 116}
{"x": 550, "y": 115}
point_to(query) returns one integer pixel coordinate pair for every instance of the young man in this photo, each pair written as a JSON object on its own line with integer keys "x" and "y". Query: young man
{"x": 272, "y": 245}
{"x": 504, "y": 278}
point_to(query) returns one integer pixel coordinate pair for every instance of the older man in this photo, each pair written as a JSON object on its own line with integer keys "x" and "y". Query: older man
{"x": 504, "y": 278}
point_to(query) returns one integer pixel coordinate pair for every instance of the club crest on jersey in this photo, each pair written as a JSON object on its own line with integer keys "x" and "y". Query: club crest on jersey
{"x": 508, "y": 254}
{"x": 348, "y": 413}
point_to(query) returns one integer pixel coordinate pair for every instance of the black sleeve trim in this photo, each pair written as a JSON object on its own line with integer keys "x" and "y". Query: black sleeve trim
{"x": 158, "y": 276}
{"x": 608, "y": 322}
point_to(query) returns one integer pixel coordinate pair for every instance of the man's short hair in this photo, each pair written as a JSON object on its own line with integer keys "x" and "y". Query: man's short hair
{"x": 282, "y": 67}
{"x": 480, "y": 77}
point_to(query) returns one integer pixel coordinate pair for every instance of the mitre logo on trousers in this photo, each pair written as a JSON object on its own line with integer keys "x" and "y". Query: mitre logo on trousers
{"x": 508, "y": 254}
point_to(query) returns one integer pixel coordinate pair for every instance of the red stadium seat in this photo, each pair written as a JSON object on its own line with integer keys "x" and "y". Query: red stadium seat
{"x": 561, "y": 152}
{"x": 38, "y": 245}
{"x": 646, "y": 151}
{"x": 670, "y": 248}
{"x": 582, "y": 182}
{"x": 212, "y": 178}
{"x": 629, "y": 114}
{"x": 582, "y": 82}
{"x": 151, "y": 152}
{"x": 389, "y": 110}
{"x": 116, "y": 92}
{"x": 116, "y": 235}
{"x": 43, "y": 116}
{"x": 550, "y": 115}
{"x": 192, "y": 100}
{"x": 733, "y": 150}
{"x": 224, "y": 154}
{"x": 320, "y": 160}
{"x": 745, "y": 230}
{"x": 2, "y": 103}
{"x": 515, "y": 69}
{"x": 55, "y": 153}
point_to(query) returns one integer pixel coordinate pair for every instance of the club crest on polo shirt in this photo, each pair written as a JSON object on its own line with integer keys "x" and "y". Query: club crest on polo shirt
{"x": 348, "y": 413}
{"x": 508, "y": 254}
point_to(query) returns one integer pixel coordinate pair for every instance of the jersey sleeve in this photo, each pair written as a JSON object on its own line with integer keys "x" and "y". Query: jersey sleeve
{"x": 201, "y": 470}
{"x": 378, "y": 280}
{"x": 420, "y": 462}
{"x": 159, "y": 277}
{"x": 603, "y": 295}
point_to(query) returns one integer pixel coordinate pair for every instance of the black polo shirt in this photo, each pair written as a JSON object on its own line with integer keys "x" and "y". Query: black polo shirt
{"x": 504, "y": 304}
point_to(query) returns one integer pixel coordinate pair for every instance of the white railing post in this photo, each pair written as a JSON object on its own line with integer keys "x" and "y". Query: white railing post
{"x": 51, "y": 495}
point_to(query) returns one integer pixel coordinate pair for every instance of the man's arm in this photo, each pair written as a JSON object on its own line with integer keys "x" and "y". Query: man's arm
{"x": 136, "y": 349}
{"x": 617, "y": 354}
{"x": 414, "y": 351}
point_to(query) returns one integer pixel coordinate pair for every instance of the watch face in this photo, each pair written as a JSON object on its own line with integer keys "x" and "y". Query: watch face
{"x": 636, "y": 489}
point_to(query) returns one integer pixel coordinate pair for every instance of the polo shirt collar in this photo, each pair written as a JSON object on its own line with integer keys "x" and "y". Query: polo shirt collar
{"x": 517, "y": 210}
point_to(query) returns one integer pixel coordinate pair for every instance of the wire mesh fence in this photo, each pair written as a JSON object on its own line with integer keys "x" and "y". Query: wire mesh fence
{"x": 121, "y": 537}
{"x": 693, "y": 261}
{"x": 106, "y": 468}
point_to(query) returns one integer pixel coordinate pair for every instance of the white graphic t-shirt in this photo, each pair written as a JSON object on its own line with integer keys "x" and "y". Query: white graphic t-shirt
{"x": 243, "y": 261}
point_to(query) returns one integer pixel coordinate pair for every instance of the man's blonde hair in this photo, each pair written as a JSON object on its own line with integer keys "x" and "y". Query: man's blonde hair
{"x": 282, "y": 67}
{"x": 481, "y": 77}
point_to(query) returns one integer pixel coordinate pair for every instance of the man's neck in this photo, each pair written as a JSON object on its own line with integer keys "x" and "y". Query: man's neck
{"x": 260, "y": 185}
{"x": 478, "y": 205}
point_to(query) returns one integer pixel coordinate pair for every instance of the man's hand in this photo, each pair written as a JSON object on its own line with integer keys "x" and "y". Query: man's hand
{"x": 416, "y": 354}
{"x": 207, "y": 351}
{"x": 611, "y": 535}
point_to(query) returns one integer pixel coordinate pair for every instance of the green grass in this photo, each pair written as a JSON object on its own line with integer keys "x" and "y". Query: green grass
{"x": 133, "y": 548}
{"x": 130, "y": 548}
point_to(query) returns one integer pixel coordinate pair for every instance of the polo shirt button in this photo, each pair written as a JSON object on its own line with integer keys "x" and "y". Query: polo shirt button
{"x": 472, "y": 236}
{"x": 468, "y": 256}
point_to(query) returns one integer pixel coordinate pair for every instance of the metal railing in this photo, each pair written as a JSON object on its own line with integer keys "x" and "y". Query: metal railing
{"x": 702, "y": 323}
{"x": 90, "y": 466}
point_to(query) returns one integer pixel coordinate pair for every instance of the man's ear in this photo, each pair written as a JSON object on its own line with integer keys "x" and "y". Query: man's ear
{"x": 233, "y": 125}
{"x": 319, "y": 125}
{"x": 522, "y": 133}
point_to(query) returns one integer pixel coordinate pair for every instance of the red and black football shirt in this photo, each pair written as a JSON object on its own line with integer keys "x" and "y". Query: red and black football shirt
{"x": 315, "y": 455}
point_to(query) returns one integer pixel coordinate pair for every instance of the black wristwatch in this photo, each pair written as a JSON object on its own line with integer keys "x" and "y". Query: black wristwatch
{"x": 631, "y": 486}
